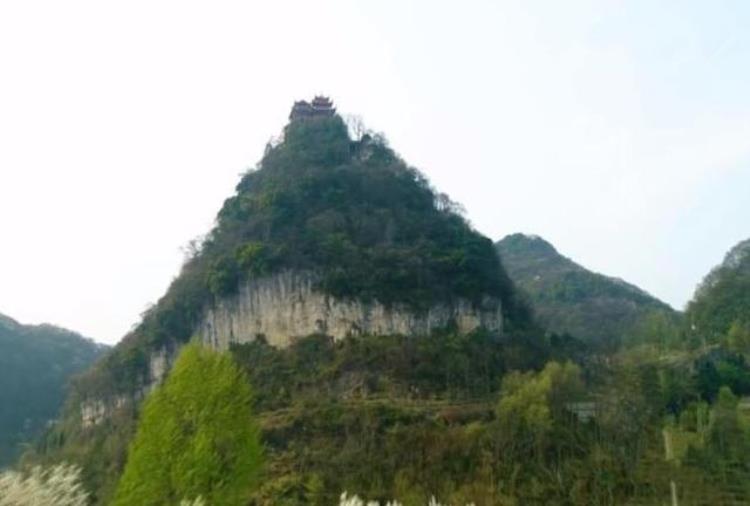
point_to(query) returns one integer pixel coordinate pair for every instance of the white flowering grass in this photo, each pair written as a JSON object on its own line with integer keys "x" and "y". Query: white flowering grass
{"x": 55, "y": 486}
{"x": 354, "y": 500}
{"x": 198, "y": 501}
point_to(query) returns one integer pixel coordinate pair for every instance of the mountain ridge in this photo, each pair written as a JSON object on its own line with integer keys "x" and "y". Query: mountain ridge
{"x": 36, "y": 362}
{"x": 567, "y": 297}
{"x": 722, "y": 299}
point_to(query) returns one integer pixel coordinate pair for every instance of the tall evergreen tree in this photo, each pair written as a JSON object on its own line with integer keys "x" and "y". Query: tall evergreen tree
{"x": 196, "y": 436}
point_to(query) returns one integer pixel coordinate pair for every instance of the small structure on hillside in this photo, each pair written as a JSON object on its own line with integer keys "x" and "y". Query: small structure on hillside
{"x": 320, "y": 106}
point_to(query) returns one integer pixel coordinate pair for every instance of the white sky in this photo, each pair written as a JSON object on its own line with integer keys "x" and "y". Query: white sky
{"x": 619, "y": 131}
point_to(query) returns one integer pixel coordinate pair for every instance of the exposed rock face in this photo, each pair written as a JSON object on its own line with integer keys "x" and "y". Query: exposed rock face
{"x": 96, "y": 410}
{"x": 159, "y": 363}
{"x": 285, "y": 306}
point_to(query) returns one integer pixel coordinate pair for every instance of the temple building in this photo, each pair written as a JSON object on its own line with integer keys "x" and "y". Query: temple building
{"x": 320, "y": 106}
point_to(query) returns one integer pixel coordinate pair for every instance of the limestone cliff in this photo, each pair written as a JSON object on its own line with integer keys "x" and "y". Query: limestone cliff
{"x": 286, "y": 305}
{"x": 95, "y": 410}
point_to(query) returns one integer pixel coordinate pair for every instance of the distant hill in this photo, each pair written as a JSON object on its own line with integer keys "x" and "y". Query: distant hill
{"x": 722, "y": 300}
{"x": 568, "y": 298}
{"x": 36, "y": 362}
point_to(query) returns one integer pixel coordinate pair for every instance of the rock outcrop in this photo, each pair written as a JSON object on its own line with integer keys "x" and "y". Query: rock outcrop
{"x": 284, "y": 306}
{"x": 97, "y": 409}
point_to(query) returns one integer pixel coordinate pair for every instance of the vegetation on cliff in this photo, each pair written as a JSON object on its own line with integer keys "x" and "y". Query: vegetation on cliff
{"x": 373, "y": 415}
{"x": 353, "y": 212}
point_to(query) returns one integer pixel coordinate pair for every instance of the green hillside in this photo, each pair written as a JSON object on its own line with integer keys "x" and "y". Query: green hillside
{"x": 569, "y": 299}
{"x": 720, "y": 309}
{"x": 36, "y": 362}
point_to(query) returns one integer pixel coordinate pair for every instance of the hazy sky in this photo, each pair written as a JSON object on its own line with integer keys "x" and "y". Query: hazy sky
{"x": 619, "y": 131}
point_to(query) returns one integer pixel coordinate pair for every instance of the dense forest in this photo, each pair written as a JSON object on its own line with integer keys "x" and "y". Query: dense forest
{"x": 540, "y": 413}
{"x": 36, "y": 362}
{"x": 720, "y": 311}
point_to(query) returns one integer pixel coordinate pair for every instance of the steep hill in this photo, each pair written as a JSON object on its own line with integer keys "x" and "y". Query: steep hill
{"x": 568, "y": 298}
{"x": 328, "y": 236}
{"x": 36, "y": 362}
{"x": 722, "y": 300}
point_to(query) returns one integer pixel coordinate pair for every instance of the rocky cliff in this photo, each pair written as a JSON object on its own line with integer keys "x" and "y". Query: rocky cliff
{"x": 286, "y": 305}
{"x": 96, "y": 409}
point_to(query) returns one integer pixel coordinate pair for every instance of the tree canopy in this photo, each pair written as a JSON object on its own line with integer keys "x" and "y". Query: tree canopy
{"x": 196, "y": 437}
{"x": 721, "y": 305}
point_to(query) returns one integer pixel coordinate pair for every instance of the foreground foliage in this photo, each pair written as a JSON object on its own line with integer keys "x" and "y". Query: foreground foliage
{"x": 196, "y": 437}
{"x": 56, "y": 486}
{"x": 347, "y": 500}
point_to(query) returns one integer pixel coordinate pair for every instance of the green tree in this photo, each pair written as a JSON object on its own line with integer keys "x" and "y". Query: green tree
{"x": 738, "y": 337}
{"x": 196, "y": 436}
{"x": 531, "y": 403}
{"x": 726, "y": 435}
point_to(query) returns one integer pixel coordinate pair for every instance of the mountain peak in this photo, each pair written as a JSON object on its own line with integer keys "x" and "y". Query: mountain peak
{"x": 8, "y": 322}
{"x": 738, "y": 255}
{"x": 339, "y": 221}
{"x": 568, "y": 298}
{"x": 320, "y": 106}
{"x": 721, "y": 299}
{"x": 527, "y": 244}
